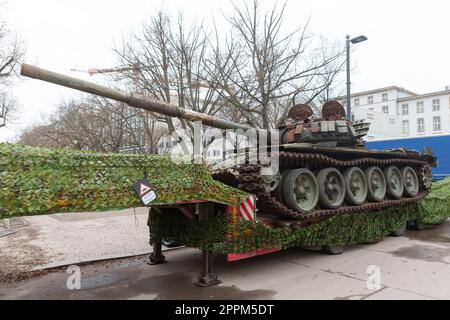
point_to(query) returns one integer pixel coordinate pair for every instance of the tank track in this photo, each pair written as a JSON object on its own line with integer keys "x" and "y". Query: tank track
{"x": 250, "y": 180}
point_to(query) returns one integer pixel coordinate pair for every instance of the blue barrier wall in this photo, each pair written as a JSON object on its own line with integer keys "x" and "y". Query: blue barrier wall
{"x": 440, "y": 145}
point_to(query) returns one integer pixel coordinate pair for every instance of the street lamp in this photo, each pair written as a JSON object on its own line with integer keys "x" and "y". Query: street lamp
{"x": 354, "y": 41}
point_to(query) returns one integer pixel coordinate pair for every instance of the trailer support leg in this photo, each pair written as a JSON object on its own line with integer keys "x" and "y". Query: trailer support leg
{"x": 157, "y": 257}
{"x": 207, "y": 277}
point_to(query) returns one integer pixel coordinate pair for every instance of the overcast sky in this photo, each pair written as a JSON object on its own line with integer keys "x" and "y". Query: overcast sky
{"x": 409, "y": 40}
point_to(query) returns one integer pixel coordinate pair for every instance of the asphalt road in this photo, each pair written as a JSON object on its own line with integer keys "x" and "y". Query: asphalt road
{"x": 415, "y": 266}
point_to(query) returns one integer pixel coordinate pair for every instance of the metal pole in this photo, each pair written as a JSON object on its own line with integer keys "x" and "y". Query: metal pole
{"x": 349, "y": 102}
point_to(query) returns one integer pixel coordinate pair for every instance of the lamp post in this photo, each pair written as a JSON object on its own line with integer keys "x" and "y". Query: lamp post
{"x": 354, "y": 41}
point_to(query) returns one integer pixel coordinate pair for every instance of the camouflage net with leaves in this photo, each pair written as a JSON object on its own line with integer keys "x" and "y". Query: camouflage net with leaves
{"x": 41, "y": 181}
{"x": 219, "y": 235}
{"x": 436, "y": 207}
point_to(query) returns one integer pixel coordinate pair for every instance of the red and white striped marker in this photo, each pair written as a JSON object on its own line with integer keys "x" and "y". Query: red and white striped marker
{"x": 247, "y": 209}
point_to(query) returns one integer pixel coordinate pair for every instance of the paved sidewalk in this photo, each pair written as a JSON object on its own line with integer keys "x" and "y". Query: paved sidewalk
{"x": 415, "y": 266}
{"x": 63, "y": 239}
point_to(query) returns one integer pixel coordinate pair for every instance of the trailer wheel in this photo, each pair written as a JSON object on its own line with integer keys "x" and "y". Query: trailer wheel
{"x": 400, "y": 231}
{"x": 419, "y": 225}
{"x": 333, "y": 249}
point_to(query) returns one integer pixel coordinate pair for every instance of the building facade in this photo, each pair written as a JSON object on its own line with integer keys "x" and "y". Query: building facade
{"x": 395, "y": 112}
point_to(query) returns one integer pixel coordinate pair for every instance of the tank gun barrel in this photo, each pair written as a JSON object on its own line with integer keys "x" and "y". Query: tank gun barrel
{"x": 133, "y": 100}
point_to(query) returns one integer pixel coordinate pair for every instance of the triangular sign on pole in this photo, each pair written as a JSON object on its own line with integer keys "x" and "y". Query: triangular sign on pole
{"x": 143, "y": 189}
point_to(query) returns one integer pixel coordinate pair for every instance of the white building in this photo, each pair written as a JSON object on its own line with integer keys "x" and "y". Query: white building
{"x": 395, "y": 112}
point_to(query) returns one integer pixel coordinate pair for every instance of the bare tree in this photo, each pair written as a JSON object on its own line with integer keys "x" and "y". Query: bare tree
{"x": 263, "y": 69}
{"x": 96, "y": 124}
{"x": 41, "y": 135}
{"x": 11, "y": 52}
{"x": 168, "y": 59}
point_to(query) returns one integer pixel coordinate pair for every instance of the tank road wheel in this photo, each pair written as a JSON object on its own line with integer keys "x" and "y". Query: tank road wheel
{"x": 376, "y": 184}
{"x": 426, "y": 176}
{"x": 355, "y": 186}
{"x": 272, "y": 181}
{"x": 331, "y": 188}
{"x": 300, "y": 190}
{"x": 394, "y": 182}
{"x": 410, "y": 182}
{"x": 333, "y": 249}
{"x": 278, "y": 193}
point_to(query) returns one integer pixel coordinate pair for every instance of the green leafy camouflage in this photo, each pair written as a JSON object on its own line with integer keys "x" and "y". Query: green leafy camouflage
{"x": 41, "y": 181}
{"x": 436, "y": 207}
{"x": 219, "y": 235}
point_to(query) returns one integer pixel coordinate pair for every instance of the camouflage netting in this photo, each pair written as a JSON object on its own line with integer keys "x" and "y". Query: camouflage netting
{"x": 436, "y": 207}
{"x": 41, "y": 181}
{"x": 219, "y": 235}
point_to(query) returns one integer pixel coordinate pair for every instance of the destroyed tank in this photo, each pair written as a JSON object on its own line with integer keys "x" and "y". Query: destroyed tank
{"x": 324, "y": 167}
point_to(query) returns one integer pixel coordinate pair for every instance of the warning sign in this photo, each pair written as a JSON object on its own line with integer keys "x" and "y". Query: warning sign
{"x": 145, "y": 191}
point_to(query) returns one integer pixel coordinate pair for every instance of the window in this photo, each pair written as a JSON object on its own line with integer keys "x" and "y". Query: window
{"x": 405, "y": 127}
{"x": 436, "y": 123}
{"x": 436, "y": 105}
{"x": 420, "y": 125}
{"x": 216, "y": 153}
{"x": 386, "y": 109}
{"x": 370, "y": 100}
{"x": 357, "y": 102}
{"x": 419, "y": 107}
{"x": 405, "y": 109}
{"x": 385, "y": 97}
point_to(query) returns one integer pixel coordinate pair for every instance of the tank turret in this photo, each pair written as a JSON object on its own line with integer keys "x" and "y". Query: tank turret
{"x": 332, "y": 129}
